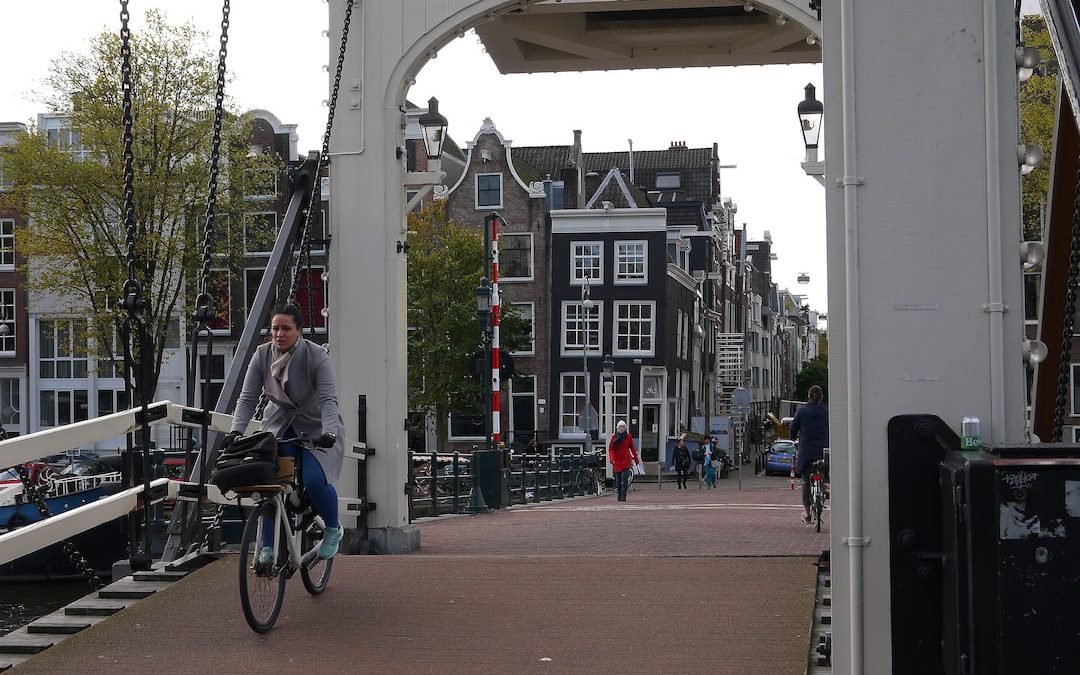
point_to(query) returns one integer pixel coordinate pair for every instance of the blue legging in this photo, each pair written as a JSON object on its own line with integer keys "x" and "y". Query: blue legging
{"x": 320, "y": 492}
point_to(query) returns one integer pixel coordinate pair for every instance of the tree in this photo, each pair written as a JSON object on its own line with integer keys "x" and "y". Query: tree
{"x": 445, "y": 266}
{"x": 72, "y": 187}
{"x": 814, "y": 371}
{"x": 1038, "y": 101}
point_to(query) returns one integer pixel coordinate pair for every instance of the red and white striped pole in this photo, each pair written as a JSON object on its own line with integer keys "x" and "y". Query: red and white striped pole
{"x": 496, "y": 417}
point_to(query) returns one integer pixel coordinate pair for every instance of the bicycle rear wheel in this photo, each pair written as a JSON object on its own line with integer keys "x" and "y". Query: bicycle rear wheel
{"x": 317, "y": 576}
{"x": 262, "y": 588}
{"x": 817, "y": 505}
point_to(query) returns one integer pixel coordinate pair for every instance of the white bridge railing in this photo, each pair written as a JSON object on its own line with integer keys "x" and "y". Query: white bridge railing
{"x": 21, "y": 449}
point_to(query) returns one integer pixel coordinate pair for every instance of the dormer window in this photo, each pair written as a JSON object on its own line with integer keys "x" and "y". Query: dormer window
{"x": 667, "y": 181}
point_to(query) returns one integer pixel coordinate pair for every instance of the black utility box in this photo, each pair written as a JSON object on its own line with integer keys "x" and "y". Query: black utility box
{"x": 1010, "y": 566}
{"x": 492, "y": 477}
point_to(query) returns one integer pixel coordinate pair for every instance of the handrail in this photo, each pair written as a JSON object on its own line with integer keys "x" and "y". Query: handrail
{"x": 35, "y": 536}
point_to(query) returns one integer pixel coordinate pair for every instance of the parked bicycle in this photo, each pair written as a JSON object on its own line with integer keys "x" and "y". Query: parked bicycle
{"x": 298, "y": 531}
{"x": 817, "y": 492}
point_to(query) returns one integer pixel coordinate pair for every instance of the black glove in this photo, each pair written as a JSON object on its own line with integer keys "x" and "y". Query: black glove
{"x": 228, "y": 440}
{"x": 325, "y": 441}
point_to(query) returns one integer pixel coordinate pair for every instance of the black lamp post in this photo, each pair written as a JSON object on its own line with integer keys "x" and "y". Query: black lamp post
{"x": 483, "y": 314}
{"x": 433, "y": 125}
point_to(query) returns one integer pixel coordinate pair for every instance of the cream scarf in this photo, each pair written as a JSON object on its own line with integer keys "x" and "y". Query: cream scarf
{"x": 279, "y": 374}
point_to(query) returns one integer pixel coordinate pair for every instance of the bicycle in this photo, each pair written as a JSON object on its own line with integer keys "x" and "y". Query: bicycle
{"x": 817, "y": 492}
{"x": 297, "y": 535}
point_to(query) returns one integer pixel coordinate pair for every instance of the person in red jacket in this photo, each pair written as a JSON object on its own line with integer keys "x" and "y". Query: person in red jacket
{"x": 622, "y": 454}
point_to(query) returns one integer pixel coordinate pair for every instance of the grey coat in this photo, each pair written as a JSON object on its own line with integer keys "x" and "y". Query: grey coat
{"x": 314, "y": 410}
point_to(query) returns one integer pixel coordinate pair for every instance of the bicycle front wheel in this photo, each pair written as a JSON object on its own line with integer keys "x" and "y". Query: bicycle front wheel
{"x": 262, "y": 587}
{"x": 317, "y": 576}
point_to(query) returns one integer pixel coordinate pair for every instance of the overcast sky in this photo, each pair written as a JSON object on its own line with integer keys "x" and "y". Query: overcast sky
{"x": 277, "y": 53}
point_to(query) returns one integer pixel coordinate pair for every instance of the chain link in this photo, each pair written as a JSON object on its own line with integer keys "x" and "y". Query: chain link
{"x": 215, "y": 150}
{"x": 315, "y": 201}
{"x": 1068, "y": 323}
{"x": 35, "y": 495}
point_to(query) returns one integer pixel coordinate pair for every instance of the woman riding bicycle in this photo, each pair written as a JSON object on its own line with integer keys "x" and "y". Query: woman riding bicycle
{"x": 298, "y": 380}
{"x": 811, "y": 428}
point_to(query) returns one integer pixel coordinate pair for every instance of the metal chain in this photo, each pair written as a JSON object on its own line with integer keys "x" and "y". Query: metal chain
{"x": 215, "y": 150}
{"x": 1068, "y": 323}
{"x": 129, "y": 155}
{"x": 34, "y": 494}
{"x": 315, "y": 201}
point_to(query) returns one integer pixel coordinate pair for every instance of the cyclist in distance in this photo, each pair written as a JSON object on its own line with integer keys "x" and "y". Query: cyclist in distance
{"x": 297, "y": 378}
{"x": 811, "y": 428}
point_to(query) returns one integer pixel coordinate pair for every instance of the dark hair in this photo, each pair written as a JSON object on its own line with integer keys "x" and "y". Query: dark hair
{"x": 291, "y": 311}
{"x": 814, "y": 394}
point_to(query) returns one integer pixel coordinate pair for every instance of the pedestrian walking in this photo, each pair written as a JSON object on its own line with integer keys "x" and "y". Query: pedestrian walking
{"x": 680, "y": 462}
{"x": 708, "y": 466}
{"x": 622, "y": 454}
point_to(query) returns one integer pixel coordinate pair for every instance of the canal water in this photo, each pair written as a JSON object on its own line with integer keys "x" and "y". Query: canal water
{"x": 22, "y": 602}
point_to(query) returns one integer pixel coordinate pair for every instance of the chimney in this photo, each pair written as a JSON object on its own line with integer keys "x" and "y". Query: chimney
{"x": 578, "y": 161}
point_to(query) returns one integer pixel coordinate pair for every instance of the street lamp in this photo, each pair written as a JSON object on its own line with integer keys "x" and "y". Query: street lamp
{"x": 810, "y": 113}
{"x": 587, "y": 422}
{"x": 483, "y": 314}
{"x": 607, "y": 370}
{"x": 433, "y": 124}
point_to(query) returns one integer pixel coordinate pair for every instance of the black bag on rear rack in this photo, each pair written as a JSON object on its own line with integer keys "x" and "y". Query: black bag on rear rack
{"x": 250, "y": 460}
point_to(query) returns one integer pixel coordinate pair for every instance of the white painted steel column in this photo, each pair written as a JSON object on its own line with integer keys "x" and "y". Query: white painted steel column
{"x": 920, "y": 101}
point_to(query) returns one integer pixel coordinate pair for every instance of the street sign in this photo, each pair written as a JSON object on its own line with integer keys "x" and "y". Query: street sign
{"x": 740, "y": 398}
{"x": 590, "y": 420}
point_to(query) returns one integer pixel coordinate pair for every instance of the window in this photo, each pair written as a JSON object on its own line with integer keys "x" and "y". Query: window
{"x": 571, "y": 401}
{"x": 630, "y": 262}
{"x": 110, "y": 401}
{"x": 1031, "y": 295}
{"x": 7, "y": 244}
{"x": 489, "y": 190}
{"x": 515, "y": 257}
{"x": 585, "y": 261}
{"x": 260, "y": 232}
{"x": 66, "y": 140}
{"x": 667, "y": 181}
{"x": 620, "y": 397}
{"x": 222, "y": 230}
{"x": 558, "y": 192}
{"x": 311, "y": 281}
{"x": 5, "y": 177}
{"x": 62, "y": 350}
{"x": 262, "y": 183}
{"x": 9, "y": 395}
{"x": 218, "y": 287}
{"x": 213, "y": 375}
{"x": 634, "y": 328}
{"x": 7, "y": 318}
{"x": 678, "y": 332}
{"x": 581, "y": 328}
{"x": 114, "y": 367}
{"x": 1075, "y": 368}
{"x": 466, "y": 427}
{"x": 528, "y": 312}
{"x": 60, "y": 407}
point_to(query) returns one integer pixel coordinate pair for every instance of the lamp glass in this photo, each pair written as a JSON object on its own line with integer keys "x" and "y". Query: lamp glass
{"x": 434, "y": 126}
{"x": 810, "y": 113}
{"x": 607, "y": 366}
{"x": 483, "y": 296}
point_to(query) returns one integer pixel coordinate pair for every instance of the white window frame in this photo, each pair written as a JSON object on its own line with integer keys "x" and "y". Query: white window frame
{"x": 615, "y": 328}
{"x": 476, "y": 192}
{"x": 620, "y": 394}
{"x": 71, "y": 356}
{"x": 594, "y": 321}
{"x": 532, "y": 257}
{"x": 531, "y": 351}
{"x": 249, "y": 217}
{"x": 596, "y": 273}
{"x": 622, "y": 278}
{"x": 7, "y": 310}
{"x": 577, "y": 400}
{"x": 7, "y": 244}
{"x": 450, "y": 436}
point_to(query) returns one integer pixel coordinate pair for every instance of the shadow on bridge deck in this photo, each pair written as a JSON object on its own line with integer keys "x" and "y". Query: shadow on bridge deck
{"x": 672, "y": 581}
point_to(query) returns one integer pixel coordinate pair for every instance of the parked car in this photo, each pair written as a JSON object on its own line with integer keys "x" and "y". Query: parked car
{"x": 780, "y": 457}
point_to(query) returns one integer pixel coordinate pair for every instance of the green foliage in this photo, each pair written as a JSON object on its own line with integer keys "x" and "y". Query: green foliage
{"x": 1038, "y": 100}
{"x": 445, "y": 266}
{"x": 73, "y": 193}
{"x": 814, "y": 371}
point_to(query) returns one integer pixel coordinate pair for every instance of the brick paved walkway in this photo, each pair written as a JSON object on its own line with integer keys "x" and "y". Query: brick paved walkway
{"x": 671, "y": 581}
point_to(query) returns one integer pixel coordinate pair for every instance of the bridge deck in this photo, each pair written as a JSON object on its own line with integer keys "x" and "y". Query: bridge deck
{"x": 672, "y": 581}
